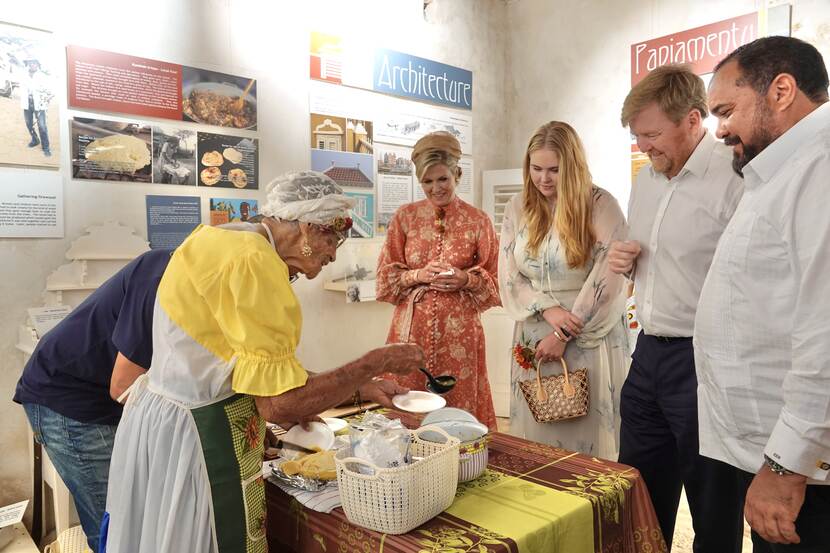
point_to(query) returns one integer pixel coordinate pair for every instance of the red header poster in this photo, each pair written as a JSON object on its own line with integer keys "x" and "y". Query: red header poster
{"x": 106, "y": 81}
{"x": 702, "y": 47}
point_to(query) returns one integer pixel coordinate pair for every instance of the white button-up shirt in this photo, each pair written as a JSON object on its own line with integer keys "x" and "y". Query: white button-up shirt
{"x": 762, "y": 333}
{"x": 678, "y": 223}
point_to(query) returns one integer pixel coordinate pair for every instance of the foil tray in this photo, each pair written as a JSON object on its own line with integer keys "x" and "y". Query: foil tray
{"x": 297, "y": 481}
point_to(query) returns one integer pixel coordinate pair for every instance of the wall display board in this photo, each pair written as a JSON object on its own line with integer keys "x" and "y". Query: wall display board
{"x": 29, "y": 111}
{"x": 349, "y": 121}
{"x": 111, "y": 150}
{"x": 107, "y": 81}
{"x": 171, "y": 218}
{"x": 228, "y": 161}
{"x": 702, "y": 47}
{"x": 232, "y": 210}
{"x": 31, "y": 204}
{"x": 338, "y": 61}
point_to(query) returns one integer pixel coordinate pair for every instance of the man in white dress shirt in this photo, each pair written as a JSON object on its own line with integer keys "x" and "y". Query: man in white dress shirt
{"x": 679, "y": 206}
{"x": 762, "y": 332}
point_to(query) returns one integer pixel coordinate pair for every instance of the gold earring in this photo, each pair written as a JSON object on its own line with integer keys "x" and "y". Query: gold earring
{"x": 306, "y": 250}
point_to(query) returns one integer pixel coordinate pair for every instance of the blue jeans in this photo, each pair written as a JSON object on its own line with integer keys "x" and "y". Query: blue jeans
{"x": 81, "y": 454}
{"x": 31, "y": 117}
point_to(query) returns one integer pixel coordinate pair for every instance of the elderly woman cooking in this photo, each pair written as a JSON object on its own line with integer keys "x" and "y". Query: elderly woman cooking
{"x": 186, "y": 466}
{"x": 438, "y": 266}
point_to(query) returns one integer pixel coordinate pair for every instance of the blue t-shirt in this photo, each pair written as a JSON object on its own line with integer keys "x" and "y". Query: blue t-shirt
{"x": 71, "y": 367}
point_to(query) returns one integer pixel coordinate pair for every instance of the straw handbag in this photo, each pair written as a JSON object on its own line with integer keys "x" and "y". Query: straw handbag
{"x": 557, "y": 397}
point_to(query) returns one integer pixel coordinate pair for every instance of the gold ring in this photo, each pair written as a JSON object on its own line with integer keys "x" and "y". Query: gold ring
{"x": 558, "y": 336}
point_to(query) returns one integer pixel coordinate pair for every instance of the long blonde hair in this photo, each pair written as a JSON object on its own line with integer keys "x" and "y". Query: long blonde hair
{"x": 574, "y": 191}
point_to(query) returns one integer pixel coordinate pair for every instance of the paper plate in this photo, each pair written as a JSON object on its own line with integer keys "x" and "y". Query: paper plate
{"x": 418, "y": 402}
{"x": 336, "y": 425}
{"x": 319, "y": 436}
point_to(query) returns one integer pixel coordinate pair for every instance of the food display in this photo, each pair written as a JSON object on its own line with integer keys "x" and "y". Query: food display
{"x": 217, "y": 109}
{"x": 233, "y": 155}
{"x": 212, "y": 159}
{"x": 211, "y": 175}
{"x": 238, "y": 178}
{"x": 318, "y": 465}
{"x": 119, "y": 152}
{"x": 234, "y": 158}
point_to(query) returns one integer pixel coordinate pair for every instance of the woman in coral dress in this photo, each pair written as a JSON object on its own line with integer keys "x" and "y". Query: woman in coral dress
{"x": 439, "y": 268}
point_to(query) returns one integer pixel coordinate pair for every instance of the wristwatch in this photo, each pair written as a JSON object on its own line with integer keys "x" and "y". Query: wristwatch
{"x": 775, "y": 467}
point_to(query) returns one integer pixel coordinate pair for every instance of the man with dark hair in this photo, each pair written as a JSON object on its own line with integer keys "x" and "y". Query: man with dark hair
{"x": 679, "y": 206}
{"x": 762, "y": 331}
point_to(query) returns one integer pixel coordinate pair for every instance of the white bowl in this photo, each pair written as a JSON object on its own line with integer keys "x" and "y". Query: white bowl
{"x": 319, "y": 436}
{"x": 336, "y": 425}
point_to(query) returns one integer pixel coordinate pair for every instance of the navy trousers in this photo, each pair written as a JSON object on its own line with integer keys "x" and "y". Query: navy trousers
{"x": 659, "y": 437}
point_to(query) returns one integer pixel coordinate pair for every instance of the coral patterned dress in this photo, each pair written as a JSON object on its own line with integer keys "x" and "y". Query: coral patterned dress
{"x": 446, "y": 325}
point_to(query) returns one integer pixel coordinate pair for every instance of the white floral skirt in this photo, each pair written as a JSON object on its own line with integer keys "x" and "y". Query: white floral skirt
{"x": 596, "y": 434}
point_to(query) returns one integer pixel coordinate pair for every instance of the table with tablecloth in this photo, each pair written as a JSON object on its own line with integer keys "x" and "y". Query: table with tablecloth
{"x": 533, "y": 498}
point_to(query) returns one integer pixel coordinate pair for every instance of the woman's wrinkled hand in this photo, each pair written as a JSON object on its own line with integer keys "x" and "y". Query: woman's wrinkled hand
{"x": 563, "y": 320}
{"x": 303, "y": 422}
{"x": 381, "y": 391}
{"x": 397, "y": 358}
{"x": 550, "y": 348}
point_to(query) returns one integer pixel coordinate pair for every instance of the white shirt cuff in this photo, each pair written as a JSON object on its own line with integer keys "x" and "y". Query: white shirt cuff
{"x": 790, "y": 450}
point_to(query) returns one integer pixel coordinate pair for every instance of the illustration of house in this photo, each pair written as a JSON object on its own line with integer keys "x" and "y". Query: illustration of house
{"x": 340, "y": 134}
{"x": 328, "y": 135}
{"x": 348, "y": 177}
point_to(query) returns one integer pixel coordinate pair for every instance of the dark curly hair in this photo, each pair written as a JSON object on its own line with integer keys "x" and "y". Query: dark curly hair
{"x": 763, "y": 59}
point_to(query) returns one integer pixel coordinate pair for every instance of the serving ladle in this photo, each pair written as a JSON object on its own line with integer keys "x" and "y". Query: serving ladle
{"x": 439, "y": 384}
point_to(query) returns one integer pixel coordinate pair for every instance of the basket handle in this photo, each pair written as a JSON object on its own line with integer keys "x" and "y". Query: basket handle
{"x": 541, "y": 393}
{"x": 433, "y": 428}
{"x": 567, "y": 387}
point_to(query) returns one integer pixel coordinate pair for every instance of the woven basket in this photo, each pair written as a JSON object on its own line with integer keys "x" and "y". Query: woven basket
{"x": 71, "y": 540}
{"x": 396, "y": 500}
{"x": 558, "y": 397}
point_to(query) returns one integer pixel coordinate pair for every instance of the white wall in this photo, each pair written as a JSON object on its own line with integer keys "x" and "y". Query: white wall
{"x": 268, "y": 40}
{"x": 570, "y": 61}
{"x": 532, "y": 60}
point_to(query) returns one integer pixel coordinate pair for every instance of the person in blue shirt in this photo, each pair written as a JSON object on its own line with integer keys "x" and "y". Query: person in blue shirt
{"x": 71, "y": 384}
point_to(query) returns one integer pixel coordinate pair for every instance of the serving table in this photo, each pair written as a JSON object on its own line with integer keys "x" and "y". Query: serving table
{"x": 533, "y": 498}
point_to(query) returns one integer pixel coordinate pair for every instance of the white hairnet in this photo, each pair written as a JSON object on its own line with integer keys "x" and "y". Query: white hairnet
{"x": 306, "y": 196}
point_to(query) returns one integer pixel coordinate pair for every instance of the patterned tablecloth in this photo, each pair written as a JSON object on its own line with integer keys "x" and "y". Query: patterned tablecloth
{"x": 533, "y": 498}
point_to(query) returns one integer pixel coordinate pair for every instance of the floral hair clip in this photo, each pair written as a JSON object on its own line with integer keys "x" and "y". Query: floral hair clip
{"x": 340, "y": 224}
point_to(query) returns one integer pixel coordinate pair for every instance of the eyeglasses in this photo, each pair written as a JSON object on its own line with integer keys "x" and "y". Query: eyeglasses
{"x": 341, "y": 236}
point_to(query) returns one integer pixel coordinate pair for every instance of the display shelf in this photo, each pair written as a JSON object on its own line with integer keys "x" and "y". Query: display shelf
{"x": 110, "y": 241}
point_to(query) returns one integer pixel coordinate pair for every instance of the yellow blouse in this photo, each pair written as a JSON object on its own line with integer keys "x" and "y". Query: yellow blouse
{"x": 229, "y": 291}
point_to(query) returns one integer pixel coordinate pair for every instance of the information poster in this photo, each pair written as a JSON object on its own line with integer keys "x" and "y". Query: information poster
{"x": 29, "y": 110}
{"x": 107, "y": 81}
{"x": 232, "y": 210}
{"x": 31, "y": 204}
{"x": 395, "y": 178}
{"x": 170, "y": 219}
{"x": 111, "y": 150}
{"x": 174, "y": 156}
{"x": 228, "y": 161}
